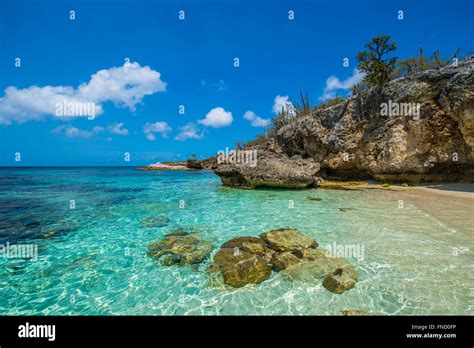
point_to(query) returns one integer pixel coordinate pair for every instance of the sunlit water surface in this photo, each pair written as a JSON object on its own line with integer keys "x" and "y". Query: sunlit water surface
{"x": 92, "y": 259}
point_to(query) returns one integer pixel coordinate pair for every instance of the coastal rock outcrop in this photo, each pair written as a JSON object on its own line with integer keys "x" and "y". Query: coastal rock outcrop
{"x": 250, "y": 260}
{"x": 180, "y": 248}
{"x": 271, "y": 170}
{"x": 426, "y": 136}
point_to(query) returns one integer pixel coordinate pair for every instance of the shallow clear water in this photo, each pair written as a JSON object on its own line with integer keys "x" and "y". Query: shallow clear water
{"x": 92, "y": 259}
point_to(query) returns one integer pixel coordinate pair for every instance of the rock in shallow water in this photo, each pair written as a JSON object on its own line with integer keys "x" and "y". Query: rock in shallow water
{"x": 341, "y": 279}
{"x": 239, "y": 268}
{"x": 285, "y": 239}
{"x": 180, "y": 248}
{"x": 249, "y": 260}
{"x": 154, "y": 222}
{"x": 355, "y": 312}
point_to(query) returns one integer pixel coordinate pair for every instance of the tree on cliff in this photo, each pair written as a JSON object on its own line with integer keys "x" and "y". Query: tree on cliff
{"x": 373, "y": 61}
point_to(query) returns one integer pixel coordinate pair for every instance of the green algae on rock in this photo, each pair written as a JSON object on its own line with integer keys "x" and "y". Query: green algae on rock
{"x": 285, "y": 239}
{"x": 250, "y": 260}
{"x": 180, "y": 248}
{"x": 239, "y": 268}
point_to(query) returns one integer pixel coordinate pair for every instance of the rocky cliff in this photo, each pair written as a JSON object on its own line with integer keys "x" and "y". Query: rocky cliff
{"x": 415, "y": 129}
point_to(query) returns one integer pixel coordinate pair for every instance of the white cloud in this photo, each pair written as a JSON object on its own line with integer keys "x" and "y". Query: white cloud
{"x": 117, "y": 128}
{"x": 189, "y": 131}
{"x": 333, "y": 84}
{"x": 73, "y": 132}
{"x": 125, "y": 86}
{"x": 255, "y": 120}
{"x": 282, "y": 102}
{"x": 217, "y": 118}
{"x": 158, "y": 127}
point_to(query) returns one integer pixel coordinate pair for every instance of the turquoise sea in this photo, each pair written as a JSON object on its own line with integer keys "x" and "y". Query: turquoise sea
{"x": 92, "y": 259}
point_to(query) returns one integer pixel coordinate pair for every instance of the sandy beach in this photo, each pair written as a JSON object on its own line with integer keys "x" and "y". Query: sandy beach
{"x": 451, "y": 203}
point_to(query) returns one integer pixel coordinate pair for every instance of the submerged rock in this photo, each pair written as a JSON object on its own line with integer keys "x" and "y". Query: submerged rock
{"x": 285, "y": 239}
{"x": 239, "y": 268}
{"x": 315, "y": 266}
{"x": 250, "y": 260}
{"x": 345, "y": 209}
{"x": 355, "y": 312}
{"x": 155, "y": 222}
{"x": 281, "y": 261}
{"x": 180, "y": 248}
{"x": 341, "y": 279}
{"x": 253, "y": 245}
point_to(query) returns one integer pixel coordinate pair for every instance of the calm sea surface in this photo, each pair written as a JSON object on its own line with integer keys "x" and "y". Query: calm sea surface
{"x": 92, "y": 259}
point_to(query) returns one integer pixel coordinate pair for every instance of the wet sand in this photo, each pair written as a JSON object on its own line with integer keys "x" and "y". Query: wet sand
{"x": 451, "y": 203}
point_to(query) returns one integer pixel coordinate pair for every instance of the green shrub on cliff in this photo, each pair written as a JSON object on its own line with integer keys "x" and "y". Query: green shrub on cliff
{"x": 373, "y": 63}
{"x": 331, "y": 102}
{"x": 292, "y": 111}
{"x": 413, "y": 65}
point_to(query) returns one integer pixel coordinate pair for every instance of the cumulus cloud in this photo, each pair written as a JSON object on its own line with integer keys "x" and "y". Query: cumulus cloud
{"x": 189, "y": 131}
{"x": 73, "y": 132}
{"x": 281, "y": 102}
{"x": 149, "y": 129}
{"x": 256, "y": 121}
{"x": 125, "y": 86}
{"x": 217, "y": 118}
{"x": 117, "y": 128}
{"x": 333, "y": 84}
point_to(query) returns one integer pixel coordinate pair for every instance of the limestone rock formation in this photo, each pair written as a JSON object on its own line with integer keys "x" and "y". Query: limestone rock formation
{"x": 356, "y": 140}
{"x": 271, "y": 170}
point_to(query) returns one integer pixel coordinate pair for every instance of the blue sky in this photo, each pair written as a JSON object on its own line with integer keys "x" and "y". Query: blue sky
{"x": 188, "y": 63}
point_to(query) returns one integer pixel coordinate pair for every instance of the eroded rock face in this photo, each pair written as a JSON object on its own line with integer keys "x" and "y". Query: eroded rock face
{"x": 250, "y": 260}
{"x": 180, "y": 248}
{"x": 271, "y": 170}
{"x": 353, "y": 140}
